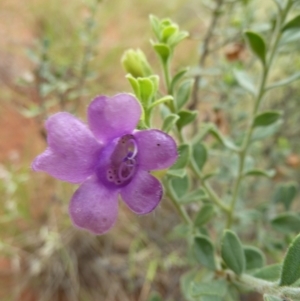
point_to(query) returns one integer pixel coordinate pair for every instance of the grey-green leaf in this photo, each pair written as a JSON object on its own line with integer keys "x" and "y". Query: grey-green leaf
{"x": 255, "y": 258}
{"x": 194, "y": 196}
{"x": 286, "y": 222}
{"x": 183, "y": 93}
{"x": 177, "y": 77}
{"x": 232, "y": 252}
{"x": 260, "y": 173}
{"x": 180, "y": 186}
{"x": 169, "y": 122}
{"x": 257, "y": 45}
{"x": 266, "y": 118}
{"x": 216, "y": 288}
{"x": 285, "y": 194}
{"x": 263, "y": 132}
{"x": 204, "y": 215}
{"x": 183, "y": 158}
{"x": 186, "y": 117}
{"x": 291, "y": 264}
{"x": 199, "y": 155}
{"x": 292, "y": 24}
{"x": 269, "y": 272}
{"x": 204, "y": 252}
{"x": 285, "y": 81}
{"x": 224, "y": 140}
{"x": 244, "y": 81}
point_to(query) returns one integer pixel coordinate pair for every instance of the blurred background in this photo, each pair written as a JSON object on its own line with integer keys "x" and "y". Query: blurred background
{"x": 57, "y": 56}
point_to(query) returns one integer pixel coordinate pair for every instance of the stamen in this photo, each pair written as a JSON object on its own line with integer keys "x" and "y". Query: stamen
{"x": 132, "y": 149}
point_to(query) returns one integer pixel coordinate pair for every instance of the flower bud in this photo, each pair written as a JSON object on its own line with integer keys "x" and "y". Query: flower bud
{"x": 135, "y": 63}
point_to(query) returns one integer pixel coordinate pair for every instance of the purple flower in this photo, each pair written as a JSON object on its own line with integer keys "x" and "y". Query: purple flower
{"x": 108, "y": 157}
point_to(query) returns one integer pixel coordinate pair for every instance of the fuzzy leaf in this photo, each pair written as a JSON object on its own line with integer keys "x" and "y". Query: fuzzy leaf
{"x": 163, "y": 51}
{"x": 263, "y": 132}
{"x": 215, "y": 288}
{"x": 244, "y": 81}
{"x": 260, "y": 172}
{"x": 183, "y": 93}
{"x": 232, "y": 252}
{"x": 204, "y": 252}
{"x": 269, "y": 272}
{"x": 169, "y": 122}
{"x": 292, "y": 24}
{"x": 180, "y": 186}
{"x": 224, "y": 140}
{"x": 199, "y": 155}
{"x": 194, "y": 196}
{"x": 177, "y": 77}
{"x": 285, "y": 82}
{"x": 291, "y": 264}
{"x": 183, "y": 158}
{"x": 257, "y": 45}
{"x": 266, "y": 118}
{"x": 285, "y": 194}
{"x": 255, "y": 258}
{"x": 286, "y": 222}
{"x": 186, "y": 117}
{"x": 204, "y": 215}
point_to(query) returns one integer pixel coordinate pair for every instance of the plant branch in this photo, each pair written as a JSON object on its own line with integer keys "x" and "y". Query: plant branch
{"x": 205, "y": 52}
{"x": 259, "y": 98}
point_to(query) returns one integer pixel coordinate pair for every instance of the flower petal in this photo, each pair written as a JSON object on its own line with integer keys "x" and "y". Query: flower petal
{"x": 156, "y": 149}
{"x": 143, "y": 193}
{"x": 113, "y": 117}
{"x": 93, "y": 207}
{"x": 73, "y": 151}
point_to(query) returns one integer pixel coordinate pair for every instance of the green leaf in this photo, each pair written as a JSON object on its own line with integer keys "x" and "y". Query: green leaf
{"x": 146, "y": 90}
{"x": 183, "y": 158}
{"x": 285, "y": 194}
{"x": 155, "y": 24}
{"x": 263, "y": 132}
{"x": 180, "y": 186}
{"x": 286, "y": 222}
{"x": 266, "y": 118}
{"x": 204, "y": 215}
{"x": 260, "y": 172}
{"x": 291, "y": 264}
{"x": 180, "y": 173}
{"x": 134, "y": 84}
{"x": 199, "y": 155}
{"x": 223, "y": 140}
{"x": 244, "y": 81}
{"x": 271, "y": 298}
{"x": 163, "y": 51}
{"x": 232, "y": 252}
{"x": 292, "y": 24}
{"x": 169, "y": 122}
{"x": 284, "y": 82}
{"x": 195, "y": 196}
{"x": 186, "y": 117}
{"x": 257, "y": 45}
{"x": 176, "y": 39}
{"x": 164, "y": 99}
{"x": 269, "y": 272}
{"x": 204, "y": 252}
{"x": 177, "y": 77}
{"x": 168, "y": 31}
{"x": 216, "y": 288}
{"x": 183, "y": 93}
{"x": 255, "y": 258}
